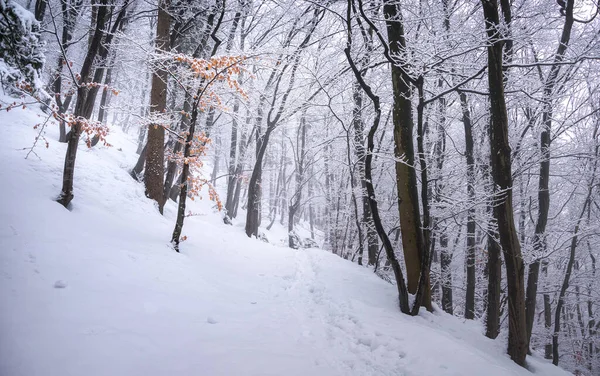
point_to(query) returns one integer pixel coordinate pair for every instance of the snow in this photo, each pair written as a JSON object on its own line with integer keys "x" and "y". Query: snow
{"x": 98, "y": 291}
{"x": 28, "y": 20}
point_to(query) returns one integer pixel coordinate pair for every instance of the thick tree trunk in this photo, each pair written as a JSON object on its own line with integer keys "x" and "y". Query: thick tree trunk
{"x": 155, "y": 155}
{"x": 413, "y": 242}
{"x": 502, "y": 178}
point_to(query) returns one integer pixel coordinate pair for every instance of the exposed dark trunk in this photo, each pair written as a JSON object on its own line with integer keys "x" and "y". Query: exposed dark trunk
{"x": 136, "y": 172}
{"x": 502, "y": 178}
{"x": 547, "y": 321}
{"x": 155, "y": 155}
{"x": 82, "y": 107}
{"x": 40, "y": 9}
{"x": 413, "y": 242}
{"x": 183, "y": 179}
{"x": 175, "y": 188}
{"x": 187, "y": 149}
{"x": 470, "y": 252}
{"x": 494, "y": 273}
{"x": 400, "y": 282}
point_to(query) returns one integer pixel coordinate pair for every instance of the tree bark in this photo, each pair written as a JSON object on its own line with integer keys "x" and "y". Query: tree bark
{"x": 413, "y": 240}
{"x": 82, "y": 108}
{"x": 446, "y": 275}
{"x": 183, "y": 178}
{"x": 494, "y": 272}
{"x": 391, "y": 256}
{"x": 155, "y": 154}
{"x": 40, "y": 10}
{"x": 296, "y": 199}
{"x": 359, "y": 149}
{"x": 502, "y": 178}
{"x": 573, "y": 247}
{"x": 273, "y": 117}
{"x": 539, "y": 241}
{"x": 470, "y": 258}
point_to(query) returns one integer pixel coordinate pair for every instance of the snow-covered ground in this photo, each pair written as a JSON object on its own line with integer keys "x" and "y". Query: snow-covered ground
{"x": 98, "y": 290}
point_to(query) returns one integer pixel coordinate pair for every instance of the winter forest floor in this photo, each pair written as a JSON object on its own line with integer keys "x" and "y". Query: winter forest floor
{"x": 99, "y": 291}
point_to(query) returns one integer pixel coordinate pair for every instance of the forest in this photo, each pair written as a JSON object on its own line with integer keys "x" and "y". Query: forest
{"x": 451, "y": 147}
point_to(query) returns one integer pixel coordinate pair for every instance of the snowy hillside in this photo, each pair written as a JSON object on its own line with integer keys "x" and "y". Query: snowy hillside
{"x": 98, "y": 290}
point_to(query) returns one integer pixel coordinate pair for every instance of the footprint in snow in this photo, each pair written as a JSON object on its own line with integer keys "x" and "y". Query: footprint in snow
{"x": 60, "y": 284}
{"x": 211, "y": 320}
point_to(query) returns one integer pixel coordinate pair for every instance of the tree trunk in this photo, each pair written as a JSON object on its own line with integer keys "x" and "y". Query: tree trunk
{"x": 172, "y": 166}
{"x": 233, "y": 146}
{"x": 359, "y": 149}
{"x": 295, "y": 202}
{"x": 183, "y": 182}
{"x": 40, "y": 10}
{"x": 103, "y": 111}
{"x": 539, "y": 239}
{"x": 136, "y": 172}
{"x": 273, "y": 118}
{"x": 400, "y": 283}
{"x": 446, "y": 275}
{"x": 82, "y": 109}
{"x": 494, "y": 272}
{"x": 155, "y": 155}
{"x": 573, "y": 247}
{"x": 566, "y": 280}
{"x": 547, "y": 324}
{"x": 70, "y": 13}
{"x": 406, "y": 180}
{"x": 502, "y": 178}
{"x": 470, "y": 258}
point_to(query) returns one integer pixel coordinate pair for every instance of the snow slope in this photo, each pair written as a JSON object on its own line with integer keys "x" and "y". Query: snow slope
{"x": 98, "y": 291}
